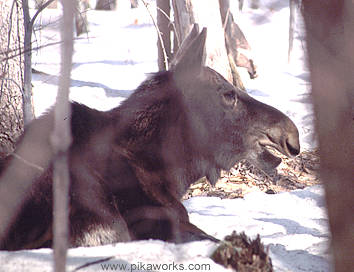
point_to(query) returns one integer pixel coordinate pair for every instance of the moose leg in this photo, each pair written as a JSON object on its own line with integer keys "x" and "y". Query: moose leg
{"x": 32, "y": 227}
{"x": 168, "y": 223}
{"x": 185, "y": 231}
{"x": 90, "y": 229}
{"x": 160, "y": 214}
{"x": 189, "y": 232}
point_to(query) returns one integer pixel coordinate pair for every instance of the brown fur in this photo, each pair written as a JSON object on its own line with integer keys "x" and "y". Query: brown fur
{"x": 130, "y": 166}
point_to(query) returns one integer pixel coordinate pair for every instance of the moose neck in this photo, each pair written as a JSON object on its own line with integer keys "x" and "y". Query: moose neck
{"x": 145, "y": 117}
{"x": 184, "y": 164}
{"x": 157, "y": 132}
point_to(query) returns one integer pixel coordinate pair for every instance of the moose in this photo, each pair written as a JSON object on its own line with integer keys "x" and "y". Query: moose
{"x": 130, "y": 166}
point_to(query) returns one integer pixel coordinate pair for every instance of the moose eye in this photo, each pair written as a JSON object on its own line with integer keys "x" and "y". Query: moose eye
{"x": 229, "y": 98}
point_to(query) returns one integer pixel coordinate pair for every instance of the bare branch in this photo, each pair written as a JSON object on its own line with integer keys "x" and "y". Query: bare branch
{"x": 158, "y": 33}
{"x": 173, "y": 25}
{"x": 226, "y": 18}
{"x": 93, "y": 263}
{"x": 39, "y": 10}
{"x": 27, "y": 162}
{"x": 36, "y": 48}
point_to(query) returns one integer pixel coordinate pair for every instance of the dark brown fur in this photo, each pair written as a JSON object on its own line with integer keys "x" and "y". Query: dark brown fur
{"x": 130, "y": 166}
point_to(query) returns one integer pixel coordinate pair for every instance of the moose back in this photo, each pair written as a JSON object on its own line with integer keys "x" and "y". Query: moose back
{"x": 130, "y": 166}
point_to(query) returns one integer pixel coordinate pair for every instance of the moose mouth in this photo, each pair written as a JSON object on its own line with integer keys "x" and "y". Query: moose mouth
{"x": 284, "y": 147}
{"x": 269, "y": 153}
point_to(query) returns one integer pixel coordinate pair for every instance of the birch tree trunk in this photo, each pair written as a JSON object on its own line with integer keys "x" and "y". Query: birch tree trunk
{"x": 184, "y": 19}
{"x": 188, "y": 12}
{"x": 11, "y": 74}
{"x": 106, "y": 4}
{"x": 234, "y": 39}
{"x": 330, "y": 39}
{"x": 40, "y": 3}
{"x": 81, "y": 23}
{"x": 134, "y": 3}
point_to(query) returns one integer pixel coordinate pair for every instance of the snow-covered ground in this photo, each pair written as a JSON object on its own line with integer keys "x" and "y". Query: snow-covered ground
{"x": 293, "y": 225}
{"x": 110, "y": 62}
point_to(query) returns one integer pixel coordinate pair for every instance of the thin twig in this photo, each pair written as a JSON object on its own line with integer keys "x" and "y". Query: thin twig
{"x": 13, "y": 81}
{"x": 37, "y": 48}
{"x": 21, "y": 91}
{"x": 92, "y": 263}
{"x": 172, "y": 23}
{"x": 40, "y": 9}
{"x": 15, "y": 111}
{"x": 158, "y": 33}
{"x": 226, "y": 18}
{"x": 27, "y": 162}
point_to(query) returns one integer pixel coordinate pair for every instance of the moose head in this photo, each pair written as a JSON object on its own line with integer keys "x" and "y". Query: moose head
{"x": 223, "y": 124}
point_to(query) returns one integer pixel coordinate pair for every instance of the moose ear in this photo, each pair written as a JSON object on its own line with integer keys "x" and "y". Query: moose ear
{"x": 185, "y": 44}
{"x": 192, "y": 56}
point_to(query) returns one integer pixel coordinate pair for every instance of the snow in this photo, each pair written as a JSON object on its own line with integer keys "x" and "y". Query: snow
{"x": 293, "y": 225}
{"x": 111, "y": 61}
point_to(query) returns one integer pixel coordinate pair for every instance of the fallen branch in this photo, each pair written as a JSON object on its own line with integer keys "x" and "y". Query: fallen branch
{"x": 92, "y": 263}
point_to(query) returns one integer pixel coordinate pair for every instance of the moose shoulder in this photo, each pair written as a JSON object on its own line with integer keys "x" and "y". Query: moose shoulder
{"x": 130, "y": 166}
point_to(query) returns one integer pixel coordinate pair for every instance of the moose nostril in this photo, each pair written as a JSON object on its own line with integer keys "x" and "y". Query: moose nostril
{"x": 293, "y": 146}
{"x": 292, "y": 141}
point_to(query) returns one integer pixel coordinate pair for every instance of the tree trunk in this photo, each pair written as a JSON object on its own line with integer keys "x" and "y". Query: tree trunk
{"x": 255, "y": 4}
{"x": 134, "y": 3}
{"x": 106, "y": 4}
{"x": 11, "y": 74}
{"x": 330, "y": 39}
{"x": 81, "y": 23}
{"x": 28, "y": 110}
{"x": 292, "y": 7}
{"x": 234, "y": 39}
{"x": 184, "y": 19}
{"x": 187, "y": 12}
{"x": 163, "y": 23}
{"x": 40, "y": 3}
{"x": 238, "y": 49}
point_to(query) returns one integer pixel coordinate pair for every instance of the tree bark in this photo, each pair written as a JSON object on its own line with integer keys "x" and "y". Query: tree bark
{"x": 184, "y": 19}
{"x": 330, "y": 39}
{"x": 11, "y": 74}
